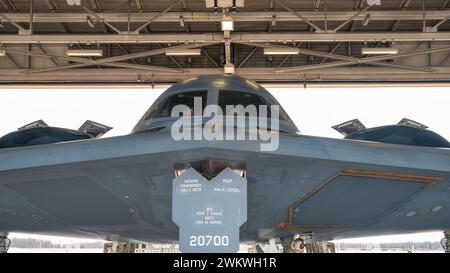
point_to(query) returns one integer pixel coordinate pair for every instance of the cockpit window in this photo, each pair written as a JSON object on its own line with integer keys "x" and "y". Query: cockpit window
{"x": 243, "y": 98}
{"x": 164, "y": 109}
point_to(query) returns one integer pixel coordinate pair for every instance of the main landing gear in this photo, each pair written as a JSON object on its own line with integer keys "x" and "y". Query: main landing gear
{"x": 305, "y": 243}
{"x": 4, "y": 242}
{"x": 445, "y": 242}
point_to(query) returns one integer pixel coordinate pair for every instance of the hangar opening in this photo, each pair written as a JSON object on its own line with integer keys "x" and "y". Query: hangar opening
{"x": 378, "y": 69}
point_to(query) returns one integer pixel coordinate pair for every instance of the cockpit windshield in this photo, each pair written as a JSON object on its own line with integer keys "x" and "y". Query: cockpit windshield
{"x": 245, "y": 99}
{"x": 164, "y": 108}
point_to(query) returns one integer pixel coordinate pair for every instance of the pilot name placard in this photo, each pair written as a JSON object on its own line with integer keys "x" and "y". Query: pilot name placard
{"x": 209, "y": 213}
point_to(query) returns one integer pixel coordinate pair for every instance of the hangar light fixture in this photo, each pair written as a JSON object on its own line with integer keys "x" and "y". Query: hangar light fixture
{"x": 280, "y": 51}
{"x": 183, "y": 52}
{"x": 2, "y": 52}
{"x": 374, "y": 2}
{"x": 84, "y": 52}
{"x": 379, "y": 51}
{"x": 227, "y": 23}
{"x": 73, "y": 2}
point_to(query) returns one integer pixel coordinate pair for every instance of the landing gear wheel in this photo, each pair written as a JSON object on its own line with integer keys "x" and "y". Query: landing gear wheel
{"x": 298, "y": 245}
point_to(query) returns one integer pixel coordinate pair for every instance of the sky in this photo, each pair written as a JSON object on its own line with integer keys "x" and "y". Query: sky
{"x": 313, "y": 110}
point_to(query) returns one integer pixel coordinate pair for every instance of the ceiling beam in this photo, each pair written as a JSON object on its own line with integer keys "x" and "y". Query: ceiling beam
{"x": 348, "y": 60}
{"x": 218, "y": 37}
{"x": 363, "y": 60}
{"x": 340, "y": 37}
{"x": 241, "y": 16}
{"x": 367, "y": 75}
{"x": 81, "y": 62}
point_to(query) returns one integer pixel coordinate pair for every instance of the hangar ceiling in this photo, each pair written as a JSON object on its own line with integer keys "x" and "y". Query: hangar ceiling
{"x": 134, "y": 36}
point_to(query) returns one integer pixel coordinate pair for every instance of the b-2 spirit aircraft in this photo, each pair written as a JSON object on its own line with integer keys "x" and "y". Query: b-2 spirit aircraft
{"x": 210, "y": 193}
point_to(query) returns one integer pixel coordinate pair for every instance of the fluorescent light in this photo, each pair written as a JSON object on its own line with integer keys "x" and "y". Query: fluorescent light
{"x": 84, "y": 52}
{"x": 379, "y": 51}
{"x": 280, "y": 51}
{"x": 2, "y": 52}
{"x": 183, "y": 52}
{"x": 227, "y": 23}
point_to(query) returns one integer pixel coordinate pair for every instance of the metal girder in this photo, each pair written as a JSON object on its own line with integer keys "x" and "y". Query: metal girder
{"x": 351, "y": 18}
{"x": 241, "y": 16}
{"x": 442, "y": 21}
{"x": 367, "y": 75}
{"x": 88, "y": 62}
{"x": 444, "y": 60}
{"x": 100, "y": 19}
{"x": 340, "y": 37}
{"x": 112, "y": 38}
{"x": 12, "y": 22}
{"x": 125, "y": 52}
{"x": 8, "y": 5}
{"x": 304, "y": 51}
{"x": 345, "y": 59}
{"x": 298, "y": 15}
{"x": 111, "y": 64}
{"x": 217, "y": 37}
{"x": 332, "y": 51}
{"x": 403, "y": 5}
{"x": 248, "y": 56}
{"x": 45, "y": 52}
{"x": 363, "y": 61}
{"x": 227, "y": 51}
{"x": 139, "y": 66}
{"x": 159, "y": 14}
{"x": 13, "y": 61}
{"x": 209, "y": 57}
{"x": 288, "y": 57}
{"x": 170, "y": 57}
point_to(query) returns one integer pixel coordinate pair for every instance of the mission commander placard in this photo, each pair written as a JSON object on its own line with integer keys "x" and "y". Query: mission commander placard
{"x": 209, "y": 213}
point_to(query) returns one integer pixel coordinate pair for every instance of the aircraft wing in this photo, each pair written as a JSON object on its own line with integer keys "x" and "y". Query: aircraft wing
{"x": 122, "y": 186}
